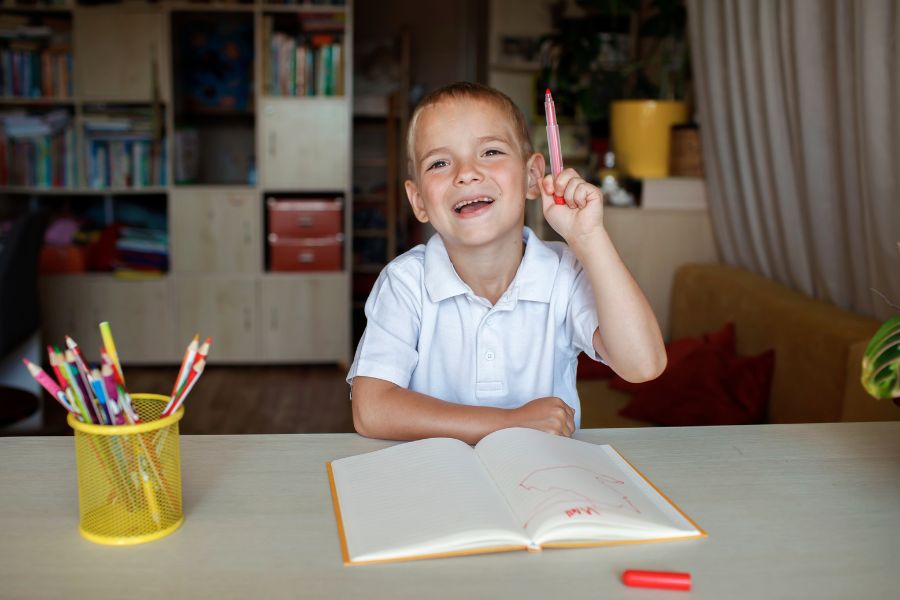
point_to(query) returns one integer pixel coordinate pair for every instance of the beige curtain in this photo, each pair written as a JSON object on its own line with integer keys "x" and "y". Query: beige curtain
{"x": 799, "y": 104}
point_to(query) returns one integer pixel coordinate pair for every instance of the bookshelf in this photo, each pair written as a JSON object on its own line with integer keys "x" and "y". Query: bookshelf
{"x": 176, "y": 123}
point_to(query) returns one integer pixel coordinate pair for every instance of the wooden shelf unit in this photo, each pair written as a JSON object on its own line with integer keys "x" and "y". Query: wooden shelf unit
{"x": 217, "y": 283}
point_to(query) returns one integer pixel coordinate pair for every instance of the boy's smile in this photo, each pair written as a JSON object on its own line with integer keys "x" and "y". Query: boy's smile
{"x": 471, "y": 175}
{"x": 472, "y": 205}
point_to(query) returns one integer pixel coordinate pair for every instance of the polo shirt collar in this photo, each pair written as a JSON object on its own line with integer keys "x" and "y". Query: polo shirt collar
{"x": 533, "y": 280}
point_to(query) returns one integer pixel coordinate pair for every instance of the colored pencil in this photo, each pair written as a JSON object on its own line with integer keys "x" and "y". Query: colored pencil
{"x": 176, "y": 403}
{"x": 82, "y": 372}
{"x": 54, "y": 364}
{"x": 77, "y": 387}
{"x": 186, "y": 363}
{"x": 110, "y": 345}
{"x": 48, "y": 384}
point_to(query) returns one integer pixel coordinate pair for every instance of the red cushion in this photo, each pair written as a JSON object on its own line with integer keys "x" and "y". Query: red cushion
{"x": 709, "y": 386}
{"x": 721, "y": 340}
{"x": 588, "y": 368}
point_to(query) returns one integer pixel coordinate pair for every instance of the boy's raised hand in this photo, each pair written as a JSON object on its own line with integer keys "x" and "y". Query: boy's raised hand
{"x": 581, "y": 215}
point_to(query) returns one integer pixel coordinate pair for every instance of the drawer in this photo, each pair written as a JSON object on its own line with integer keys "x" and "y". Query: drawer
{"x": 305, "y": 218}
{"x": 306, "y": 254}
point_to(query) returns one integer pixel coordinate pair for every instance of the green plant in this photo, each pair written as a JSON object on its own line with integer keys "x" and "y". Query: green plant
{"x": 881, "y": 362}
{"x": 616, "y": 50}
{"x": 881, "y": 359}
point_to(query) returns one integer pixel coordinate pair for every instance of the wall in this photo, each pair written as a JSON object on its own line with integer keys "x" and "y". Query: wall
{"x": 447, "y": 38}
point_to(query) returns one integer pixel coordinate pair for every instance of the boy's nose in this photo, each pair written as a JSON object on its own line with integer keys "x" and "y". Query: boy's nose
{"x": 467, "y": 173}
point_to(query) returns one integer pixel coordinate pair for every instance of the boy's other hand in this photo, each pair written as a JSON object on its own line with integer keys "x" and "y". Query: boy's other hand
{"x": 549, "y": 414}
{"x": 582, "y": 214}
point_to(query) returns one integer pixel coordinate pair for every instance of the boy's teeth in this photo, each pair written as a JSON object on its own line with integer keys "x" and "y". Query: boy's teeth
{"x": 459, "y": 206}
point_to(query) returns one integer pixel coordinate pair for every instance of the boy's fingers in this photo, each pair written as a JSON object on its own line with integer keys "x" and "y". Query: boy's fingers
{"x": 581, "y": 194}
{"x": 547, "y": 185}
{"x": 578, "y": 196}
{"x": 572, "y": 191}
{"x": 563, "y": 181}
{"x": 547, "y": 192}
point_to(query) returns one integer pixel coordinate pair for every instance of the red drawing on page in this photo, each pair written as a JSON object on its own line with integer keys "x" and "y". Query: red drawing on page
{"x": 581, "y": 491}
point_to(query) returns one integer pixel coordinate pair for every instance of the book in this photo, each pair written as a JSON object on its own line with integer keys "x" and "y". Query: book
{"x": 674, "y": 193}
{"x": 517, "y": 489}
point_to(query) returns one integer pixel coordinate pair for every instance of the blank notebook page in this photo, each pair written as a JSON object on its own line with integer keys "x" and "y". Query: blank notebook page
{"x": 408, "y": 495}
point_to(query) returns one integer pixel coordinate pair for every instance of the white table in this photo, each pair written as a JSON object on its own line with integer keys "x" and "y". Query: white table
{"x": 792, "y": 511}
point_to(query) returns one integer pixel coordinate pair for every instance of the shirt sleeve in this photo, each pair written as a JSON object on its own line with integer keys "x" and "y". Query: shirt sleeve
{"x": 582, "y": 317}
{"x": 388, "y": 347}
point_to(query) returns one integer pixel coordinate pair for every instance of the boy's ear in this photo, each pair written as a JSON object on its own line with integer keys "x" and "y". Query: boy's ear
{"x": 415, "y": 200}
{"x": 536, "y": 166}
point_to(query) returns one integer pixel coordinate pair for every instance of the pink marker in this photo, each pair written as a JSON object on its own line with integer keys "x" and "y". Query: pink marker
{"x": 556, "y": 165}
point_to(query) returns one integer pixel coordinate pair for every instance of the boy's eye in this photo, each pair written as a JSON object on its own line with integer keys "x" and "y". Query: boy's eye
{"x": 493, "y": 152}
{"x": 437, "y": 165}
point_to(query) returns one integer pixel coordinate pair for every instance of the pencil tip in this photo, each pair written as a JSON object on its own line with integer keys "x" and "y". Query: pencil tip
{"x": 547, "y": 93}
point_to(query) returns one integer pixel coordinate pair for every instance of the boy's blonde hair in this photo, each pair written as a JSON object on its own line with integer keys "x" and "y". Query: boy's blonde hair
{"x": 469, "y": 91}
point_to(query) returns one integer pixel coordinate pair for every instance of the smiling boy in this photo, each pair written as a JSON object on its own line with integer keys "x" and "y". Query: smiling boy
{"x": 480, "y": 328}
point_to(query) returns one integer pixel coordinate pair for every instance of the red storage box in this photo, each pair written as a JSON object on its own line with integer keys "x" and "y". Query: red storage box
{"x": 305, "y": 254}
{"x": 305, "y": 218}
{"x": 62, "y": 259}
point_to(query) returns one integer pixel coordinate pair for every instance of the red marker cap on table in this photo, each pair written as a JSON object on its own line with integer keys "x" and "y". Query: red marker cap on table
{"x": 657, "y": 579}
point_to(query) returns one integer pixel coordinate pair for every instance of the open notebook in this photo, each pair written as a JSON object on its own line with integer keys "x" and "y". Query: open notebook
{"x": 517, "y": 489}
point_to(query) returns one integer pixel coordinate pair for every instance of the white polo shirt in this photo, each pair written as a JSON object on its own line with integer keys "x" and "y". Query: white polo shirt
{"x": 428, "y": 332}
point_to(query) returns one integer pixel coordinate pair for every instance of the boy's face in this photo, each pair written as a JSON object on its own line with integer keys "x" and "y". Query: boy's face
{"x": 471, "y": 178}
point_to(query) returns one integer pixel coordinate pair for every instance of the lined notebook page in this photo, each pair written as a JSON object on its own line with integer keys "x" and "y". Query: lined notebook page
{"x": 562, "y": 489}
{"x": 423, "y": 497}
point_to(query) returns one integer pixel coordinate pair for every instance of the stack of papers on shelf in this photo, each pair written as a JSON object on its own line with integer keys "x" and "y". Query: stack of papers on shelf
{"x": 140, "y": 249}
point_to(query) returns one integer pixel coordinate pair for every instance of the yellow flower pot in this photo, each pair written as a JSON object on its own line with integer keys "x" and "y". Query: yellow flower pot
{"x": 640, "y": 134}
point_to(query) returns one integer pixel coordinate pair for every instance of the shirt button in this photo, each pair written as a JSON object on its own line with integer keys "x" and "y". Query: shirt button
{"x": 489, "y": 321}
{"x": 489, "y": 356}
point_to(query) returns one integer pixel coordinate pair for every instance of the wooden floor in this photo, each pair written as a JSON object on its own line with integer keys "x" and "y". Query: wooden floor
{"x": 230, "y": 400}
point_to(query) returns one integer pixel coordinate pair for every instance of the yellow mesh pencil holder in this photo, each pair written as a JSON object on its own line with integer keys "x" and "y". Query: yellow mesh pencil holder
{"x": 129, "y": 476}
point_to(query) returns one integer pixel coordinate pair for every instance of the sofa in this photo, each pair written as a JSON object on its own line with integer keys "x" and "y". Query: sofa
{"x": 818, "y": 347}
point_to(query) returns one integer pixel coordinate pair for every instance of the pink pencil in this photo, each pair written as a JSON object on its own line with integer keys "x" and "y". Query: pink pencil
{"x": 48, "y": 384}
{"x": 556, "y": 165}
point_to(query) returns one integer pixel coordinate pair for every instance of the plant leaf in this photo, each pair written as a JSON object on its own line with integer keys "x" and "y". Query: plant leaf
{"x": 881, "y": 361}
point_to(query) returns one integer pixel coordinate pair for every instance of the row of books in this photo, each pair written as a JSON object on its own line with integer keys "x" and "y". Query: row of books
{"x": 36, "y": 73}
{"x": 123, "y": 148}
{"x": 305, "y": 68}
{"x": 35, "y": 56}
{"x": 38, "y": 151}
{"x": 304, "y": 58}
{"x": 133, "y": 163}
{"x": 41, "y": 150}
